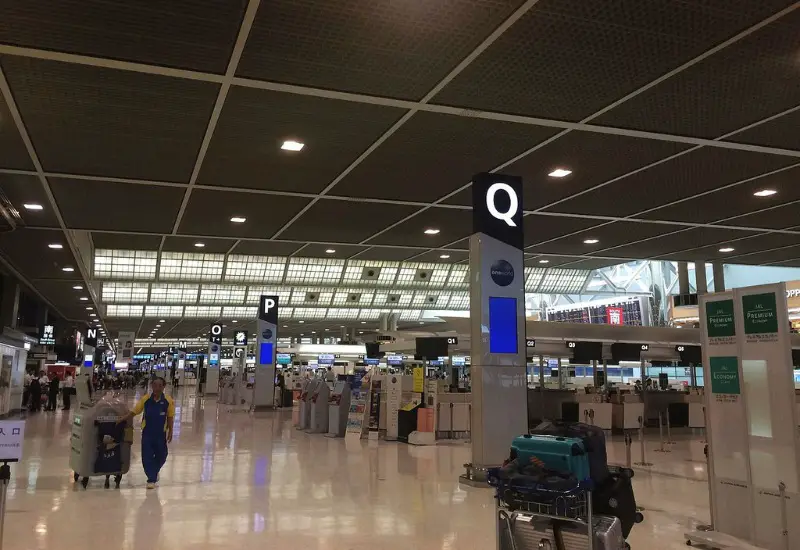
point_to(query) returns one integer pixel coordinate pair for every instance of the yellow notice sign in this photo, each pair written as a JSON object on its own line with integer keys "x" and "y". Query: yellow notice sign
{"x": 419, "y": 380}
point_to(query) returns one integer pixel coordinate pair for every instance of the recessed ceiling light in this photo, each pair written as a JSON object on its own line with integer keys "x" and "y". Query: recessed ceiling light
{"x": 284, "y": 326}
{"x": 559, "y": 173}
{"x": 68, "y": 269}
{"x": 327, "y": 329}
{"x": 444, "y": 256}
{"x": 33, "y": 206}
{"x": 301, "y": 321}
{"x": 591, "y": 241}
{"x": 544, "y": 261}
{"x": 93, "y": 315}
{"x": 363, "y": 322}
{"x": 238, "y": 219}
{"x": 313, "y": 332}
{"x": 292, "y": 145}
{"x": 726, "y": 249}
{"x": 161, "y": 321}
{"x": 765, "y": 193}
{"x": 330, "y": 251}
{"x": 55, "y": 246}
{"x": 78, "y": 287}
{"x": 89, "y": 309}
{"x": 432, "y": 231}
{"x": 234, "y": 321}
{"x": 158, "y": 326}
{"x": 199, "y": 245}
{"x": 84, "y": 299}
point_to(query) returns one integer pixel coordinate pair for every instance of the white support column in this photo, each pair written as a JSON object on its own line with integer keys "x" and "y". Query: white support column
{"x": 701, "y": 284}
{"x": 719, "y": 276}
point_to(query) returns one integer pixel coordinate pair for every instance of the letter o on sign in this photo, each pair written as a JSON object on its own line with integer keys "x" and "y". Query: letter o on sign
{"x": 216, "y": 330}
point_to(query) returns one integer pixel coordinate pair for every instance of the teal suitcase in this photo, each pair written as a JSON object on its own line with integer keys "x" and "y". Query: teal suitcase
{"x": 565, "y": 455}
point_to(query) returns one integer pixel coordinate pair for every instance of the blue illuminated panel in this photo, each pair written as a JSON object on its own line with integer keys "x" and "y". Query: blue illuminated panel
{"x": 503, "y": 325}
{"x": 265, "y": 354}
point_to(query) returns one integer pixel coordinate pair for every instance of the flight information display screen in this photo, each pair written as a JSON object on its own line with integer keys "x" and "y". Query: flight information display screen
{"x": 503, "y": 336}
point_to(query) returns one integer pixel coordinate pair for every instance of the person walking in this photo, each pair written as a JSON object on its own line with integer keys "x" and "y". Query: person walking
{"x": 66, "y": 392}
{"x": 158, "y": 411}
{"x": 52, "y": 393}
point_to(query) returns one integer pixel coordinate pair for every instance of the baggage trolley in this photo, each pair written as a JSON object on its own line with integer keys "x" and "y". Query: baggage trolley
{"x": 98, "y": 446}
{"x": 533, "y": 517}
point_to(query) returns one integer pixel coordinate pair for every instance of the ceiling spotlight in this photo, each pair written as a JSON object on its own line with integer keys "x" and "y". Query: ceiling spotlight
{"x": 84, "y": 299}
{"x": 292, "y": 145}
{"x": 444, "y": 256}
{"x": 544, "y": 261}
{"x": 726, "y": 249}
{"x": 199, "y": 245}
{"x": 234, "y": 321}
{"x": 93, "y": 315}
{"x": 68, "y": 269}
{"x": 238, "y": 219}
{"x": 591, "y": 241}
{"x": 89, "y": 309}
{"x": 55, "y": 246}
{"x": 78, "y": 287}
{"x": 431, "y": 231}
{"x": 158, "y": 326}
{"x": 301, "y": 321}
{"x": 33, "y": 206}
{"x": 161, "y": 321}
{"x": 363, "y": 322}
{"x": 765, "y": 193}
{"x": 284, "y": 326}
{"x": 330, "y": 251}
{"x": 560, "y": 173}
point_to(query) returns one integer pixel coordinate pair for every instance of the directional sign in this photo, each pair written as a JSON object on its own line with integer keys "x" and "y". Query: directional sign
{"x": 239, "y": 353}
{"x": 530, "y": 343}
{"x": 240, "y": 338}
{"x": 215, "y": 334}
{"x": 645, "y": 347}
{"x": 452, "y": 340}
{"x": 91, "y": 337}
{"x": 571, "y": 344}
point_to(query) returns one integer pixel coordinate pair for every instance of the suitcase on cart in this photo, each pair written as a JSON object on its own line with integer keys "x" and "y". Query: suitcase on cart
{"x": 594, "y": 441}
{"x": 521, "y": 531}
{"x": 565, "y": 455}
{"x": 614, "y": 497}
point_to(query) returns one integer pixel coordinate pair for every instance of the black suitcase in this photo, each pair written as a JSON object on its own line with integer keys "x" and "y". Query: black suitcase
{"x": 614, "y": 497}
{"x": 594, "y": 441}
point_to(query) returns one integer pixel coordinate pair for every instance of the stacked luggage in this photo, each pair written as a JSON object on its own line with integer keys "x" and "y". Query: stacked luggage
{"x": 557, "y": 487}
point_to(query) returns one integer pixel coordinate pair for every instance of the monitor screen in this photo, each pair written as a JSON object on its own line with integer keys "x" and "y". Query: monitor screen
{"x": 265, "y": 354}
{"x": 431, "y": 348}
{"x": 503, "y": 336}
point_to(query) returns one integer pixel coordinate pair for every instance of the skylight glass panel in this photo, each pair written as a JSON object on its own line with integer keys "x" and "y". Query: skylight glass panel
{"x": 202, "y": 312}
{"x": 163, "y": 311}
{"x": 458, "y": 277}
{"x": 354, "y": 273}
{"x": 113, "y": 310}
{"x": 254, "y": 294}
{"x": 191, "y": 266}
{"x": 314, "y": 270}
{"x": 311, "y": 296}
{"x": 173, "y": 293}
{"x": 222, "y": 294}
{"x": 563, "y": 281}
{"x": 459, "y": 301}
{"x": 409, "y": 314}
{"x": 343, "y": 313}
{"x": 240, "y": 312}
{"x": 343, "y": 297}
{"x": 369, "y": 314}
{"x": 310, "y": 312}
{"x": 125, "y": 264}
{"x": 533, "y": 277}
{"x": 256, "y": 269}
{"x": 126, "y": 293}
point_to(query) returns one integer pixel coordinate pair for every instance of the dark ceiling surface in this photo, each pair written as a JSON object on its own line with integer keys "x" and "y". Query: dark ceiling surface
{"x": 148, "y": 125}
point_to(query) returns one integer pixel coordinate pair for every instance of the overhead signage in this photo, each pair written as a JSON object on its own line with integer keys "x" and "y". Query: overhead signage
{"x": 215, "y": 334}
{"x": 268, "y": 309}
{"x": 240, "y": 338}
{"x": 91, "y": 337}
{"x": 719, "y": 319}
{"x": 571, "y": 344}
{"x": 78, "y": 344}
{"x": 452, "y": 340}
{"x": 284, "y": 359}
{"x": 12, "y": 434}
{"x": 760, "y": 313}
{"x": 394, "y": 359}
{"x": 239, "y": 353}
{"x": 371, "y": 361}
{"x": 530, "y": 343}
{"x": 680, "y": 348}
{"x": 126, "y": 340}
{"x": 326, "y": 358}
{"x": 497, "y": 208}
{"x": 47, "y": 335}
{"x": 182, "y": 345}
{"x": 614, "y": 315}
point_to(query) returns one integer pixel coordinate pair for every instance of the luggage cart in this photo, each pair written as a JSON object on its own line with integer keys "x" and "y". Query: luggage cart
{"x": 533, "y": 517}
{"x": 90, "y": 426}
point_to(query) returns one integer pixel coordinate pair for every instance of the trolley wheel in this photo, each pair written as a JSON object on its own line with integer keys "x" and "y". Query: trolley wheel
{"x": 76, "y": 477}
{"x": 639, "y": 518}
{"x": 117, "y": 479}
{"x": 85, "y": 482}
{"x": 688, "y": 543}
{"x": 107, "y": 484}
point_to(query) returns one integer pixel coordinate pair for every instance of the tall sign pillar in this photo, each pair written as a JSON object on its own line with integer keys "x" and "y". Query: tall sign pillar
{"x": 211, "y": 382}
{"x": 89, "y": 348}
{"x": 497, "y": 319}
{"x": 266, "y": 349}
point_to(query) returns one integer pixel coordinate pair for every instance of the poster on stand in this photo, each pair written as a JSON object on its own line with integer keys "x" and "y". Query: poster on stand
{"x": 375, "y": 406}
{"x": 355, "y": 416}
{"x": 126, "y": 342}
{"x": 419, "y": 379}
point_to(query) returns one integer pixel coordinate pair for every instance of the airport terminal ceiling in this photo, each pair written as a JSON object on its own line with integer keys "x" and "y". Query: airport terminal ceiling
{"x": 662, "y": 130}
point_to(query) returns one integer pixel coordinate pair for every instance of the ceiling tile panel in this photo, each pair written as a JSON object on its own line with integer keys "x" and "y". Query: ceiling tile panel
{"x": 743, "y": 246}
{"x": 435, "y": 256}
{"x": 132, "y": 207}
{"x": 246, "y": 147}
{"x": 396, "y": 49}
{"x": 125, "y": 241}
{"x": 743, "y": 83}
{"x": 701, "y": 170}
{"x": 785, "y": 216}
{"x": 27, "y": 250}
{"x": 341, "y": 251}
{"x": 209, "y": 213}
{"x": 266, "y": 248}
{"x": 345, "y": 221}
{"x": 607, "y": 235}
{"x": 672, "y": 242}
{"x": 189, "y": 244}
{"x": 780, "y": 132}
{"x": 393, "y": 254}
{"x": 180, "y": 33}
{"x": 13, "y": 153}
{"x": 97, "y": 121}
{"x": 432, "y": 155}
{"x": 453, "y": 225}
{"x": 564, "y": 59}
{"x": 21, "y": 190}
{"x": 540, "y": 228}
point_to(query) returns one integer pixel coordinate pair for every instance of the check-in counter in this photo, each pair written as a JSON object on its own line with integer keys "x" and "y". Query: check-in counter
{"x": 697, "y": 413}
{"x": 628, "y": 409}
{"x": 592, "y": 410}
{"x": 550, "y": 404}
{"x": 662, "y": 402}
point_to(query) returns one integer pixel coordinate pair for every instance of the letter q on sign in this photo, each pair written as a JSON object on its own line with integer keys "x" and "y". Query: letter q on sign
{"x": 513, "y": 201}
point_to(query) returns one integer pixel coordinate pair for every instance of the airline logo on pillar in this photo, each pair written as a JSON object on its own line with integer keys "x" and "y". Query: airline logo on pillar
{"x": 267, "y": 336}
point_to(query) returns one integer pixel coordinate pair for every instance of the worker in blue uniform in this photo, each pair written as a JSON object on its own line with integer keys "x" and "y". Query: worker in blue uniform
{"x": 158, "y": 411}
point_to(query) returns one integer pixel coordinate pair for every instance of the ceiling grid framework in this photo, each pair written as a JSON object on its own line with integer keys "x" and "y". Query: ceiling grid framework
{"x": 185, "y": 124}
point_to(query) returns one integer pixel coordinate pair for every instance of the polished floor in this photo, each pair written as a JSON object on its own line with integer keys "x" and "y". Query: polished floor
{"x": 235, "y": 481}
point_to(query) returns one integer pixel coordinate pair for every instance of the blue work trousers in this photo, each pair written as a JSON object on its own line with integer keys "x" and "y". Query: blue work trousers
{"x": 154, "y": 452}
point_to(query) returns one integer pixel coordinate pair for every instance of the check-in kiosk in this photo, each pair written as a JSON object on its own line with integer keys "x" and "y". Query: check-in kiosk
{"x": 338, "y": 409}
{"x": 305, "y": 403}
{"x": 318, "y": 420}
